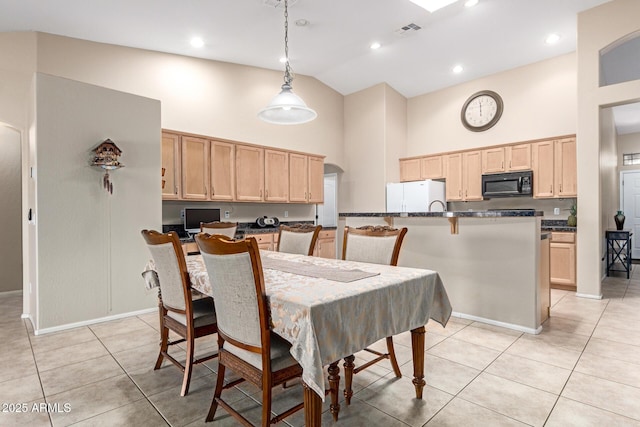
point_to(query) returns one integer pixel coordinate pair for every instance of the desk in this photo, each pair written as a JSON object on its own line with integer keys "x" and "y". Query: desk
{"x": 619, "y": 250}
{"x": 326, "y": 321}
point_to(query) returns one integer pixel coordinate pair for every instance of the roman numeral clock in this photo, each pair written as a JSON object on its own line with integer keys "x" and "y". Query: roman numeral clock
{"x": 481, "y": 111}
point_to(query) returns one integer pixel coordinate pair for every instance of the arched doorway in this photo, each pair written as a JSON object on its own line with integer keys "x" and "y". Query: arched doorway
{"x": 11, "y": 211}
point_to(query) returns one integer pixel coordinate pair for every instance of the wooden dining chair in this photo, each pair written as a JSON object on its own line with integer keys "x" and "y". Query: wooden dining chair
{"x": 246, "y": 343}
{"x": 298, "y": 239}
{"x": 225, "y": 228}
{"x": 178, "y": 311}
{"x": 376, "y": 245}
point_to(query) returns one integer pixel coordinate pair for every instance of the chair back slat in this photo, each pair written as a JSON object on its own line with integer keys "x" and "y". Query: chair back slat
{"x": 237, "y": 284}
{"x": 298, "y": 239}
{"x": 373, "y": 244}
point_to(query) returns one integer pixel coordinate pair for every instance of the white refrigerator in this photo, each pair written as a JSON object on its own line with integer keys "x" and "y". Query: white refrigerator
{"x": 415, "y": 196}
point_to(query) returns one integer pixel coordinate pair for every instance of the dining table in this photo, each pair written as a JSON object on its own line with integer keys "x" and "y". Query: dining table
{"x": 330, "y": 309}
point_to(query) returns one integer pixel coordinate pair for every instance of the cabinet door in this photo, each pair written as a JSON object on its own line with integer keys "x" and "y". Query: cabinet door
{"x": 453, "y": 170}
{"x": 326, "y": 244}
{"x": 298, "y": 177}
{"x": 518, "y": 157}
{"x": 410, "y": 170}
{"x": 472, "y": 175}
{"x": 542, "y": 161}
{"x": 431, "y": 167}
{"x": 249, "y": 173}
{"x": 170, "y": 166}
{"x": 195, "y": 168}
{"x": 316, "y": 180}
{"x": 222, "y": 170}
{"x": 565, "y": 168}
{"x": 276, "y": 176}
{"x": 563, "y": 264}
{"x": 493, "y": 160}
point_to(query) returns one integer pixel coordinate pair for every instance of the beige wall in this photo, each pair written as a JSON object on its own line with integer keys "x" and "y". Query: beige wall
{"x": 539, "y": 102}
{"x": 200, "y": 96}
{"x": 597, "y": 28}
{"x": 11, "y": 212}
{"x": 609, "y": 177}
{"x": 18, "y": 53}
{"x": 89, "y": 250}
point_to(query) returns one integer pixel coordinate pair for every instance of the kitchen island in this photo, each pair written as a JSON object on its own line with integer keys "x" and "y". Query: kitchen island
{"x": 494, "y": 264}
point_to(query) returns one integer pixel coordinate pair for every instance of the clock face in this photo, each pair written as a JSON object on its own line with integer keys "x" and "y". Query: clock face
{"x": 481, "y": 111}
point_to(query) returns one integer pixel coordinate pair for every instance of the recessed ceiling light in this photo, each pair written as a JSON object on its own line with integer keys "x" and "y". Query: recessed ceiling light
{"x": 552, "y": 38}
{"x": 433, "y": 5}
{"x": 302, "y": 22}
{"x": 375, "y": 45}
{"x": 283, "y": 59}
{"x": 458, "y": 69}
{"x": 197, "y": 42}
{"x": 470, "y": 3}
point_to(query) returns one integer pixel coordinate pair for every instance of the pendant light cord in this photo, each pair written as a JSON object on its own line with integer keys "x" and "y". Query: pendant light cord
{"x": 288, "y": 78}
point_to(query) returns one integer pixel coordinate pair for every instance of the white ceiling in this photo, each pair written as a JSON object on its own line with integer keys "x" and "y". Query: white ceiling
{"x": 493, "y": 36}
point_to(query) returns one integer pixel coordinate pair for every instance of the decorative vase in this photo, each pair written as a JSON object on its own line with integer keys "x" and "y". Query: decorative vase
{"x": 572, "y": 221}
{"x": 619, "y": 219}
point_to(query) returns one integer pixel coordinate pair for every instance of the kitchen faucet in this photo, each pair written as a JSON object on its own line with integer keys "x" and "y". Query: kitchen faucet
{"x": 444, "y": 207}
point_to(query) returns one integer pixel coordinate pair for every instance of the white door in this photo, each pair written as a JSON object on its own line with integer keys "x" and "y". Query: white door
{"x": 328, "y": 211}
{"x": 631, "y": 207}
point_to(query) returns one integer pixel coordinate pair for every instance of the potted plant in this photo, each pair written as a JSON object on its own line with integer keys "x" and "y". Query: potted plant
{"x": 572, "y": 220}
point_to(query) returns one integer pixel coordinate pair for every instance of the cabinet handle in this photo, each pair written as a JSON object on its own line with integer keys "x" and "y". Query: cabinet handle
{"x": 175, "y": 190}
{"x": 213, "y": 190}
{"x": 502, "y": 165}
{"x": 509, "y": 164}
{"x": 561, "y": 188}
{"x": 266, "y": 193}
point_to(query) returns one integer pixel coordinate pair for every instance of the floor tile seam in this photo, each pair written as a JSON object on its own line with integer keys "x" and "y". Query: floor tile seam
{"x": 131, "y": 402}
{"x": 389, "y": 415}
{"x": 601, "y": 409}
{"x": 494, "y": 411}
{"x": 577, "y": 321}
{"x": 480, "y": 345}
{"x": 526, "y": 385}
{"x": 84, "y": 385}
{"x": 608, "y": 380}
{"x": 36, "y": 349}
{"x": 620, "y": 330}
{"x": 35, "y": 363}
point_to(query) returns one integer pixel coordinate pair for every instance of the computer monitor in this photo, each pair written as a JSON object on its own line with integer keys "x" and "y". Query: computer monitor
{"x": 194, "y": 216}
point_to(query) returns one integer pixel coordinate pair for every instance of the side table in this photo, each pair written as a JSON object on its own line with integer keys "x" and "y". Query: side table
{"x": 619, "y": 251}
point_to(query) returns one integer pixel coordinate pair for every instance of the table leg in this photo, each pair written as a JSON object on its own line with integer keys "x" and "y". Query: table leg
{"x": 348, "y": 378}
{"x": 334, "y": 384}
{"x": 312, "y": 407}
{"x": 417, "y": 346}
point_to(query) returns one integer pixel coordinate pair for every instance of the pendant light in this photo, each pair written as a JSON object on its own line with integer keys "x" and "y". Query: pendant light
{"x": 287, "y": 108}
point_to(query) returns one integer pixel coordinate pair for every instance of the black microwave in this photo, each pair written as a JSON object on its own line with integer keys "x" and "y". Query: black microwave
{"x": 511, "y": 184}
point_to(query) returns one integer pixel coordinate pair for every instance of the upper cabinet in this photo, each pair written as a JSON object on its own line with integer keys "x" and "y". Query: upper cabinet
{"x": 493, "y": 160}
{"x": 463, "y": 176}
{"x": 170, "y": 166}
{"x": 200, "y": 168}
{"x": 453, "y": 172}
{"x": 506, "y": 159}
{"x": 417, "y": 169}
{"x": 410, "y": 170}
{"x": 554, "y": 168}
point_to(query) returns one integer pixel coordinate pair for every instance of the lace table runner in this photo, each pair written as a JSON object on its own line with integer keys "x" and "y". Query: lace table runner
{"x": 311, "y": 270}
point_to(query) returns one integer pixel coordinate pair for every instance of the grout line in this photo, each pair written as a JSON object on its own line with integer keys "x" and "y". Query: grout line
{"x": 35, "y": 363}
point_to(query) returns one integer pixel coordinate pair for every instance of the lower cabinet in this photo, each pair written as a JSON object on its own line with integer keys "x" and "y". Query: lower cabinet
{"x": 326, "y": 244}
{"x": 563, "y": 260}
{"x": 266, "y": 241}
{"x": 190, "y": 248}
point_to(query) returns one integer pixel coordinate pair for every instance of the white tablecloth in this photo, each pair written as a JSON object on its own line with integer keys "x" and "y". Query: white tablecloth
{"x": 326, "y": 320}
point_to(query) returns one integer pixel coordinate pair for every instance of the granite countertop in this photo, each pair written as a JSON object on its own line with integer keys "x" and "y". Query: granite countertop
{"x": 243, "y": 229}
{"x": 556, "y": 225}
{"x": 490, "y": 213}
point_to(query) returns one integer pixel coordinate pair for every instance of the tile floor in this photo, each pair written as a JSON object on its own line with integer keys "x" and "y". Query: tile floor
{"x": 582, "y": 370}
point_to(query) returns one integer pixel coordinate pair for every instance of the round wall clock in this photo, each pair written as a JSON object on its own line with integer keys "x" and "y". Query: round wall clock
{"x": 481, "y": 111}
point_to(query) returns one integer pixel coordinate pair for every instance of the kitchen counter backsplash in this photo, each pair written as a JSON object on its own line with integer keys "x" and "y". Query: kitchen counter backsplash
{"x": 556, "y": 225}
{"x": 243, "y": 228}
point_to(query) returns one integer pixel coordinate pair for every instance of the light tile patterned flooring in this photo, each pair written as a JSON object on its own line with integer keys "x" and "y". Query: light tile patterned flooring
{"x": 582, "y": 370}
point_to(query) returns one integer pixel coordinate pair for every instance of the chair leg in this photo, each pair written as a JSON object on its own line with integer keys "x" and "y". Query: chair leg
{"x": 392, "y": 357}
{"x": 164, "y": 345}
{"x": 188, "y": 365}
{"x": 216, "y": 393}
{"x": 348, "y": 377}
{"x": 266, "y": 404}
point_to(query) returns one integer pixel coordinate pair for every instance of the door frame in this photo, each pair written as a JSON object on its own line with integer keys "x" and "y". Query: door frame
{"x": 623, "y": 173}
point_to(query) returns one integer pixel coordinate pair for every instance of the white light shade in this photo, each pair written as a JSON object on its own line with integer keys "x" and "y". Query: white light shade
{"x": 287, "y": 108}
{"x": 433, "y": 5}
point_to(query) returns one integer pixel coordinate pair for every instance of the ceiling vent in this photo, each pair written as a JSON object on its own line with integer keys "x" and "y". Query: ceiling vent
{"x": 278, "y": 3}
{"x": 407, "y": 29}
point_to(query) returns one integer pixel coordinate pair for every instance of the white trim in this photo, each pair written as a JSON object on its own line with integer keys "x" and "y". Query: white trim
{"x": 497, "y": 323}
{"x": 589, "y": 296}
{"x": 10, "y": 293}
{"x": 93, "y": 321}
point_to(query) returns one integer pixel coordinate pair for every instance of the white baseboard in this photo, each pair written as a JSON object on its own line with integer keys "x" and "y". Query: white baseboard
{"x": 497, "y": 323}
{"x": 93, "y": 321}
{"x": 589, "y": 296}
{"x": 10, "y": 293}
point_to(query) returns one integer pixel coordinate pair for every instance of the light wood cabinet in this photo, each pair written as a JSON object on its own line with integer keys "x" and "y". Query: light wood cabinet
{"x": 493, "y": 160}
{"x": 554, "y": 168}
{"x": 431, "y": 167}
{"x": 544, "y": 280}
{"x": 410, "y": 170}
{"x": 453, "y": 173}
{"x": 472, "y": 175}
{"x": 222, "y": 170}
{"x": 195, "y": 168}
{"x": 566, "y": 173}
{"x": 298, "y": 177}
{"x": 249, "y": 173}
{"x": 518, "y": 157}
{"x": 170, "y": 166}
{"x": 276, "y": 176}
{"x": 190, "y": 248}
{"x": 326, "y": 244}
{"x": 563, "y": 260}
{"x": 316, "y": 180}
{"x": 266, "y": 241}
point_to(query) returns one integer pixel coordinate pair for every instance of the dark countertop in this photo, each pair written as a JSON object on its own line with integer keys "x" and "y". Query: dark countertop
{"x": 490, "y": 213}
{"x": 243, "y": 229}
{"x": 557, "y": 225}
